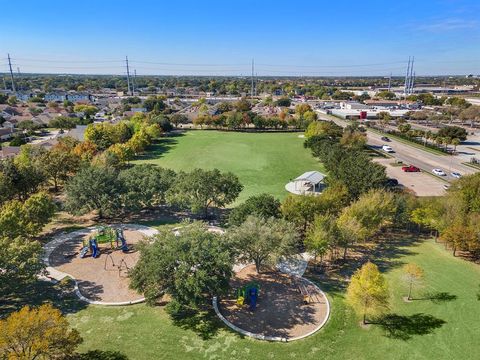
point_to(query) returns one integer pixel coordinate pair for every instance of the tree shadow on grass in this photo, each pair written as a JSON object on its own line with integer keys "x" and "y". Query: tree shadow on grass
{"x": 404, "y": 327}
{"x": 438, "y": 297}
{"x": 100, "y": 355}
{"x": 205, "y": 324}
{"x": 60, "y": 295}
{"x": 160, "y": 148}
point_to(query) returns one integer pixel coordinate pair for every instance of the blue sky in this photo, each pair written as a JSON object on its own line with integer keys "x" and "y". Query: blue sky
{"x": 221, "y": 37}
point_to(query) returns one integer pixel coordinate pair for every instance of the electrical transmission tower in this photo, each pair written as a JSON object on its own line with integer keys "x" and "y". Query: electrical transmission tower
{"x": 129, "y": 90}
{"x": 11, "y": 72}
{"x": 409, "y": 76}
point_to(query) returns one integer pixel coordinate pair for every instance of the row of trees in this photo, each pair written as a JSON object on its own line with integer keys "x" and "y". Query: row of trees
{"x": 111, "y": 191}
{"x": 342, "y": 153}
{"x": 456, "y": 217}
{"x": 239, "y": 115}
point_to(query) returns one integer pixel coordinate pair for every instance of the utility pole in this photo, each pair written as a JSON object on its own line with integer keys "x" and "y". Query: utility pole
{"x": 406, "y": 78}
{"x": 253, "y": 86}
{"x": 128, "y": 77}
{"x": 11, "y": 72}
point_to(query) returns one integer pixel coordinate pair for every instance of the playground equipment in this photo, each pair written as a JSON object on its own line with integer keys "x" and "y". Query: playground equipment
{"x": 248, "y": 295}
{"x": 92, "y": 246}
{"x": 120, "y": 237}
{"x": 121, "y": 266}
{"x": 308, "y": 296}
{"x": 105, "y": 235}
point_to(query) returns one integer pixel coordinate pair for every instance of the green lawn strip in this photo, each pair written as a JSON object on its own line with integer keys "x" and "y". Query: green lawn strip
{"x": 411, "y": 143}
{"x": 472, "y": 165}
{"x": 264, "y": 162}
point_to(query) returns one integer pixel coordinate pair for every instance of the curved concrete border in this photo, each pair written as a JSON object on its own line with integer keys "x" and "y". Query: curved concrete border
{"x": 274, "y": 338}
{"x": 57, "y": 275}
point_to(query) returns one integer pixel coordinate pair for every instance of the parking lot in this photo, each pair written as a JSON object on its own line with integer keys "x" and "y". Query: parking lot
{"x": 421, "y": 183}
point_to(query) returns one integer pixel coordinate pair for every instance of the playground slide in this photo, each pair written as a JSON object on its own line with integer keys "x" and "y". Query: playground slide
{"x": 253, "y": 298}
{"x": 83, "y": 252}
{"x": 124, "y": 246}
{"x": 94, "y": 247}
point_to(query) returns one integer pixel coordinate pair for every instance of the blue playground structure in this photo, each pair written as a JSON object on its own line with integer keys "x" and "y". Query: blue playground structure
{"x": 248, "y": 295}
{"x": 108, "y": 235}
{"x": 120, "y": 237}
{"x": 92, "y": 246}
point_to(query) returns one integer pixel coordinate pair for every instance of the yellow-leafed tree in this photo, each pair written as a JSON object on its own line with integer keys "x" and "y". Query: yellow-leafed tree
{"x": 413, "y": 274}
{"x": 37, "y": 333}
{"x": 368, "y": 291}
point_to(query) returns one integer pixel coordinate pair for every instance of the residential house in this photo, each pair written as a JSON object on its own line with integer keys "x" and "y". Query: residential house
{"x": 79, "y": 97}
{"x": 6, "y": 133}
{"x": 9, "y": 151}
{"x": 24, "y": 96}
{"x": 58, "y": 96}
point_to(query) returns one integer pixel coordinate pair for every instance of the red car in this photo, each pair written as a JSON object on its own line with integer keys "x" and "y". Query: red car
{"x": 410, "y": 168}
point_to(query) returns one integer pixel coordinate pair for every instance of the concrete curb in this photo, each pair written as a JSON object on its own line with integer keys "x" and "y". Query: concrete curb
{"x": 274, "y": 338}
{"x": 57, "y": 275}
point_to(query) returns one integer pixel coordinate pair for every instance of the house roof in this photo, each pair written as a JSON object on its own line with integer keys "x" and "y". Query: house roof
{"x": 313, "y": 177}
{"x": 8, "y": 151}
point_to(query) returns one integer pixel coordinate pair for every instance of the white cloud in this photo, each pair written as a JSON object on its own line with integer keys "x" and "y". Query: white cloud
{"x": 449, "y": 25}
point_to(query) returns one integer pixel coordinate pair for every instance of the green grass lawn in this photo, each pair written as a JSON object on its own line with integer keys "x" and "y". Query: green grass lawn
{"x": 447, "y": 328}
{"x": 264, "y": 162}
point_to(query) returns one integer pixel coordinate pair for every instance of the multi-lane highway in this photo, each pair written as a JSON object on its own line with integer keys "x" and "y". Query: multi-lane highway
{"x": 409, "y": 154}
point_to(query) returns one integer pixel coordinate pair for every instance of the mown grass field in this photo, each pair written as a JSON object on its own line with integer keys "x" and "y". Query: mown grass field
{"x": 264, "y": 162}
{"x": 443, "y": 323}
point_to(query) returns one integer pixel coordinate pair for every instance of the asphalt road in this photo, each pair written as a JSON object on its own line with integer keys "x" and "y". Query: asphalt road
{"x": 412, "y": 155}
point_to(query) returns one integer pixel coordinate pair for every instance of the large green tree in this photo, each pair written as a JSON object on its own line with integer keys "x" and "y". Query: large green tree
{"x": 262, "y": 241}
{"x": 199, "y": 190}
{"x": 145, "y": 186}
{"x": 190, "y": 265}
{"x": 26, "y": 218}
{"x": 94, "y": 188}
{"x": 263, "y": 205}
{"x": 21, "y": 263}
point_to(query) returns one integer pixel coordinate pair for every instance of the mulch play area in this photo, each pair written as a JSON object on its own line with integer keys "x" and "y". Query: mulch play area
{"x": 280, "y": 309}
{"x": 103, "y": 278}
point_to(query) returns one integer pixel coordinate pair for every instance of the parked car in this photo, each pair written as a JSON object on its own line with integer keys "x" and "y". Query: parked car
{"x": 384, "y": 138}
{"x": 387, "y": 149}
{"x": 410, "y": 168}
{"x": 391, "y": 182}
{"x": 456, "y": 175}
{"x": 439, "y": 172}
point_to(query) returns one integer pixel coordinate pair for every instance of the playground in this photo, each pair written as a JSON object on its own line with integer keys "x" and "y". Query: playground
{"x": 99, "y": 259}
{"x": 284, "y": 306}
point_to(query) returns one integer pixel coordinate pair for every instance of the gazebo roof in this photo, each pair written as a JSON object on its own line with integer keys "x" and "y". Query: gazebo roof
{"x": 313, "y": 177}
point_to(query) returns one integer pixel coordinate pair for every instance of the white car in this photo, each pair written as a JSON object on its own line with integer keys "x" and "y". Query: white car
{"x": 439, "y": 172}
{"x": 387, "y": 149}
{"x": 456, "y": 175}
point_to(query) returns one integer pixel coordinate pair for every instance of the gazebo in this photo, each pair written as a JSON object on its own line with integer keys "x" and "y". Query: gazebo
{"x": 310, "y": 182}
